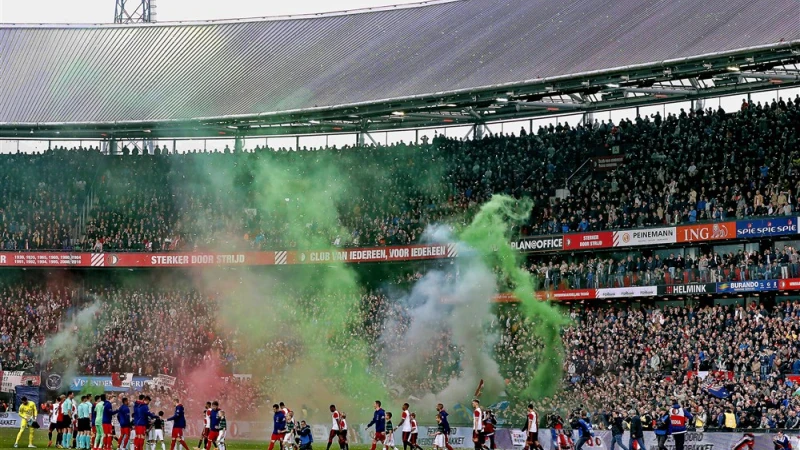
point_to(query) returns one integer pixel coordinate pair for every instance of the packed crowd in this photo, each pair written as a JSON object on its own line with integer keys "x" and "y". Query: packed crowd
{"x": 713, "y": 359}
{"x": 709, "y": 358}
{"x": 105, "y": 330}
{"x": 241, "y": 396}
{"x": 694, "y": 166}
{"x": 703, "y": 165}
{"x": 27, "y": 317}
{"x": 646, "y": 268}
{"x": 40, "y": 198}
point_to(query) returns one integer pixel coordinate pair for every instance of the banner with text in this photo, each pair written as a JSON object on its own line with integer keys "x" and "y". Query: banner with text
{"x": 693, "y": 440}
{"x": 400, "y": 253}
{"x": 107, "y": 382}
{"x": 732, "y": 287}
{"x": 588, "y": 241}
{"x": 538, "y": 244}
{"x": 789, "y": 284}
{"x": 567, "y": 294}
{"x": 206, "y": 259}
{"x": 9, "y": 420}
{"x": 14, "y": 378}
{"x": 776, "y": 226}
{"x": 605, "y": 163}
{"x": 707, "y": 232}
{"x": 161, "y": 381}
{"x": 459, "y": 437}
{"x": 625, "y": 292}
{"x": 648, "y": 236}
{"x": 688, "y": 289}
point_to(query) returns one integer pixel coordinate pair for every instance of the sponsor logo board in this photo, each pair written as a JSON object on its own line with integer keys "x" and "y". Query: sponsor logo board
{"x": 567, "y": 294}
{"x": 647, "y": 236}
{"x": 588, "y": 241}
{"x": 789, "y": 284}
{"x": 626, "y": 292}
{"x": 9, "y": 420}
{"x": 776, "y": 226}
{"x": 747, "y": 286}
{"x": 538, "y": 244}
{"x": 706, "y": 232}
{"x": 107, "y": 382}
{"x": 688, "y": 289}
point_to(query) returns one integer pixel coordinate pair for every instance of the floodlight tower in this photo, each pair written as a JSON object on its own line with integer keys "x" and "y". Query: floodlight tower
{"x": 134, "y": 11}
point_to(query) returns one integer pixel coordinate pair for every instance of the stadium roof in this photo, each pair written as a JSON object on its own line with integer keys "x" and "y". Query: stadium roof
{"x": 344, "y": 65}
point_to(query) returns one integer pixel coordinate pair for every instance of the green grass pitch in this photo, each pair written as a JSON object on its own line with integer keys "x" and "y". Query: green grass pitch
{"x": 8, "y": 435}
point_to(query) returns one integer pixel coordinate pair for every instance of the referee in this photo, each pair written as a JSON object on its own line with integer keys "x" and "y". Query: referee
{"x": 27, "y": 415}
{"x": 85, "y": 422}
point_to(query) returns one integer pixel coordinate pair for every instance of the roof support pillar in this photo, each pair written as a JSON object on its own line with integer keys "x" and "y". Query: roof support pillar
{"x": 477, "y": 131}
{"x": 365, "y": 134}
{"x": 374, "y": 142}
{"x": 466, "y": 136}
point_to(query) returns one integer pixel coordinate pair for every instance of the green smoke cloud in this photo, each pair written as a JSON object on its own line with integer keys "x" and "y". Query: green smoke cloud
{"x": 490, "y": 233}
{"x": 312, "y": 307}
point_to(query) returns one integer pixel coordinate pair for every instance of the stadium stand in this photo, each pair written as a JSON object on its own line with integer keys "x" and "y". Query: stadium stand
{"x": 638, "y": 269}
{"x": 751, "y": 349}
{"x": 706, "y": 165}
{"x": 753, "y": 345}
{"x": 440, "y": 64}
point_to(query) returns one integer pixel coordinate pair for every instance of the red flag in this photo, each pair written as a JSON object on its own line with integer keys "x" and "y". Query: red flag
{"x": 480, "y": 388}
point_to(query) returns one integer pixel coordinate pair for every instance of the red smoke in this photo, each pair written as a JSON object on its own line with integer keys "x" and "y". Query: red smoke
{"x": 211, "y": 381}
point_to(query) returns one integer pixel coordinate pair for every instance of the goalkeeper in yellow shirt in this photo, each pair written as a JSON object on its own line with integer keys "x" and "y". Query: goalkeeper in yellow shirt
{"x": 27, "y": 415}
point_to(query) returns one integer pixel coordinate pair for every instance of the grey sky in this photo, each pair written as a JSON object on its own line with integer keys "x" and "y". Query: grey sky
{"x": 102, "y": 11}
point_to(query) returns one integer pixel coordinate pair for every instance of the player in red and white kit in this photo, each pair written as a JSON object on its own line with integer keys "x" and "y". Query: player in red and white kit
{"x": 532, "y": 429}
{"x": 286, "y": 412}
{"x": 489, "y": 423}
{"x": 336, "y": 425}
{"x": 414, "y": 433}
{"x": 52, "y": 409}
{"x": 477, "y": 424}
{"x": 405, "y": 426}
{"x": 206, "y": 427}
{"x": 343, "y": 444}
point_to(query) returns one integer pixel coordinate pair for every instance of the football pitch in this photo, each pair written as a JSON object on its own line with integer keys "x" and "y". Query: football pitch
{"x": 8, "y": 435}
